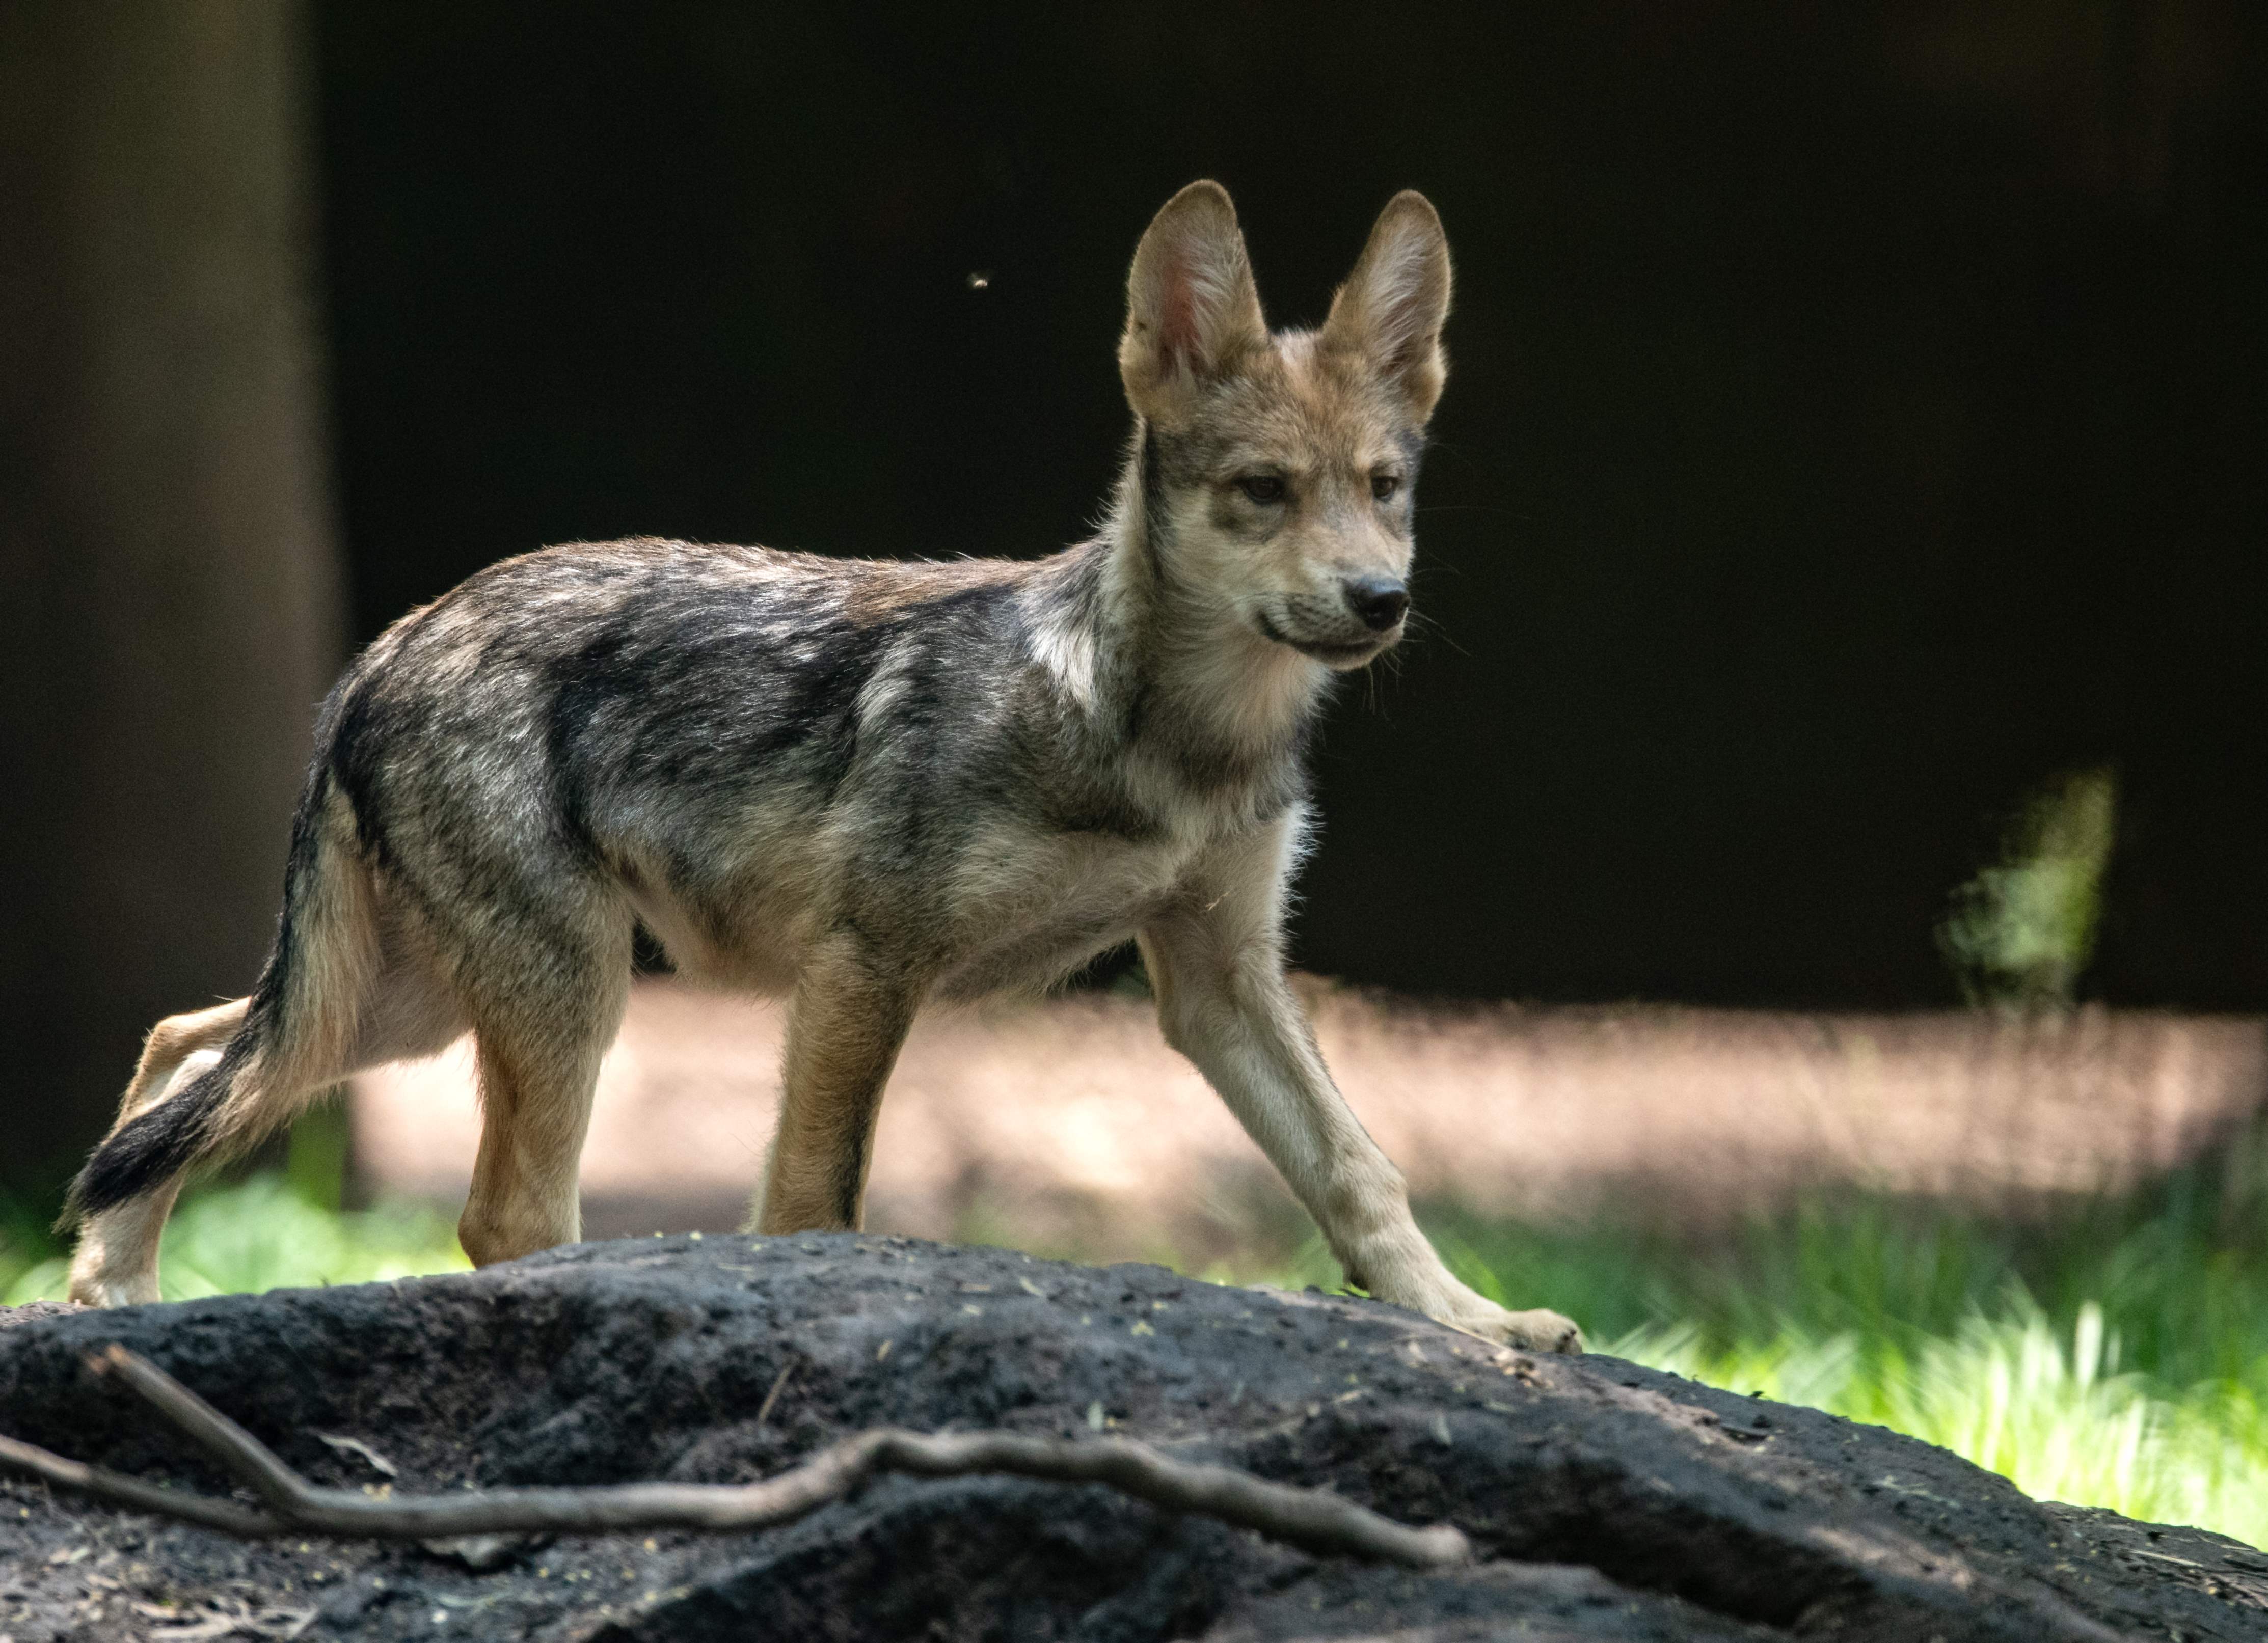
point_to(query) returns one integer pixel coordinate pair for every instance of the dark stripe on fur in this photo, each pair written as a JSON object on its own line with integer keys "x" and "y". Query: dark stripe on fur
{"x": 850, "y": 1167}
{"x": 1150, "y": 479}
{"x": 676, "y": 656}
{"x": 355, "y": 728}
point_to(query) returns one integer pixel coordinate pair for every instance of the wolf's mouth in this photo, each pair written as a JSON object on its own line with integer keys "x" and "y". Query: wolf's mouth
{"x": 1322, "y": 650}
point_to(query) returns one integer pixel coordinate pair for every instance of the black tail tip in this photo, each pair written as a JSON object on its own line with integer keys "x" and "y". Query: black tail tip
{"x": 151, "y": 1150}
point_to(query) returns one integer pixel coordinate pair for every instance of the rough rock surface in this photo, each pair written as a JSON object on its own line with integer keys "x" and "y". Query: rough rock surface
{"x": 1608, "y": 1501}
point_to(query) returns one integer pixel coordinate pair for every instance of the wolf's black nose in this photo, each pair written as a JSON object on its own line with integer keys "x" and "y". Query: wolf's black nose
{"x": 1379, "y": 600}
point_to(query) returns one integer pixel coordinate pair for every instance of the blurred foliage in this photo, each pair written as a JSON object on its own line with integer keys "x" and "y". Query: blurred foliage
{"x": 2020, "y": 933}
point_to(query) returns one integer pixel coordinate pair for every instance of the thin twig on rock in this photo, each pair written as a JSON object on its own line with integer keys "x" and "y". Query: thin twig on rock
{"x": 764, "y": 1409}
{"x": 104, "y": 1484}
{"x": 1313, "y": 1519}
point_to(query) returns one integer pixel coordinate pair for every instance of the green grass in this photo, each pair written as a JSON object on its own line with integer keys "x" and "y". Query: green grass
{"x": 281, "y": 1229}
{"x": 263, "y": 1233}
{"x": 2113, "y": 1355}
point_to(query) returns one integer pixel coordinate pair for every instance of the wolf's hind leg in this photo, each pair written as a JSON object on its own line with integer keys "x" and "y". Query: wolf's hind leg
{"x": 171, "y": 1044}
{"x": 400, "y": 1012}
{"x": 849, "y": 1019}
{"x": 116, "y": 1262}
{"x": 1223, "y": 1002}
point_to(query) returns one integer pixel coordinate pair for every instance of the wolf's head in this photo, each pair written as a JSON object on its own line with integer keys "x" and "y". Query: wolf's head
{"x": 1278, "y": 466}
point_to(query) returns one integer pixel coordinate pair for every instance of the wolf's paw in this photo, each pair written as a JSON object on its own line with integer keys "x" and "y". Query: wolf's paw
{"x": 96, "y": 1290}
{"x": 95, "y": 1282}
{"x": 1539, "y": 1331}
{"x": 100, "y": 1294}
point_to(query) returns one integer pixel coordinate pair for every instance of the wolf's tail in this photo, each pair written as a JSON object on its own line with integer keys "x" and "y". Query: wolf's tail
{"x": 297, "y": 1031}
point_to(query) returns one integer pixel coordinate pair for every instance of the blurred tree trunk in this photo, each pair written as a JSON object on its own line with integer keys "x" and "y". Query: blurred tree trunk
{"x": 169, "y": 586}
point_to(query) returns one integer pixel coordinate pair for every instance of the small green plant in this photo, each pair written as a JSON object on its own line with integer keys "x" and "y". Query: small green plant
{"x": 259, "y": 1233}
{"x": 2020, "y": 933}
{"x": 276, "y": 1230}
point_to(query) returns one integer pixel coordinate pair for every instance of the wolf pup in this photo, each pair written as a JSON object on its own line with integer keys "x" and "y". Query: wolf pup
{"x": 866, "y": 785}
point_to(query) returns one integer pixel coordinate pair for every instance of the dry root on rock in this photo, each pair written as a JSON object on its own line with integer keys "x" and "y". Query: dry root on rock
{"x": 1313, "y": 1519}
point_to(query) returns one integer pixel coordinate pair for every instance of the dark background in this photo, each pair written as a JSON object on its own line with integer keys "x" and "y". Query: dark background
{"x": 1858, "y": 414}
{"x": 1852, "y": 423}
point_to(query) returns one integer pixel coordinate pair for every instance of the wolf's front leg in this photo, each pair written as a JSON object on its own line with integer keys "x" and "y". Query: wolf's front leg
{"x": 1223, "y": 1002}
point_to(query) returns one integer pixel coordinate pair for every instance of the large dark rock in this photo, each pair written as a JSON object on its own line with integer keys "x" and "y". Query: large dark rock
{"x": 1608, "y": 1501}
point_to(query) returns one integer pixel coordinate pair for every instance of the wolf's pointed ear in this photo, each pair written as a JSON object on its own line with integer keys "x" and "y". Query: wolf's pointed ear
{"x": 1391, "y": 306}
{"x": 1191, "y": 308}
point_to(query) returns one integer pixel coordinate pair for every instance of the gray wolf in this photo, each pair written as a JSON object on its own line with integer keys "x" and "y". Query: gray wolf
{"x": 866, "y": 785}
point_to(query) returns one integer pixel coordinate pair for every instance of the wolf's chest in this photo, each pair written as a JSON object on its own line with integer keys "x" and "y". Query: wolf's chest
{"x": 1029, "y": 907}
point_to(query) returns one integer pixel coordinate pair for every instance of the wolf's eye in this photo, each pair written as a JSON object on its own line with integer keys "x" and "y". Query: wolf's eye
{"x": 1262, "y": 488}
{"x": 1386, "y": 487}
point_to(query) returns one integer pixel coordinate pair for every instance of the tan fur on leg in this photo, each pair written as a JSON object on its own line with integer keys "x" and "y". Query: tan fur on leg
{"x": 524, "y": 1196}
{"x": 170, "y": 1044}
{"x": 538, "y": 1070}
{"x": 1218, "y": 972}
{"x": 115, "y": 1264}
{"x": 842, "y": 1039}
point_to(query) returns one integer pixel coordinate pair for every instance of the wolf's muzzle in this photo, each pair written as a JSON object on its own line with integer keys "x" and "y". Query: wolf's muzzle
{"x": 1380, "y": 601}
